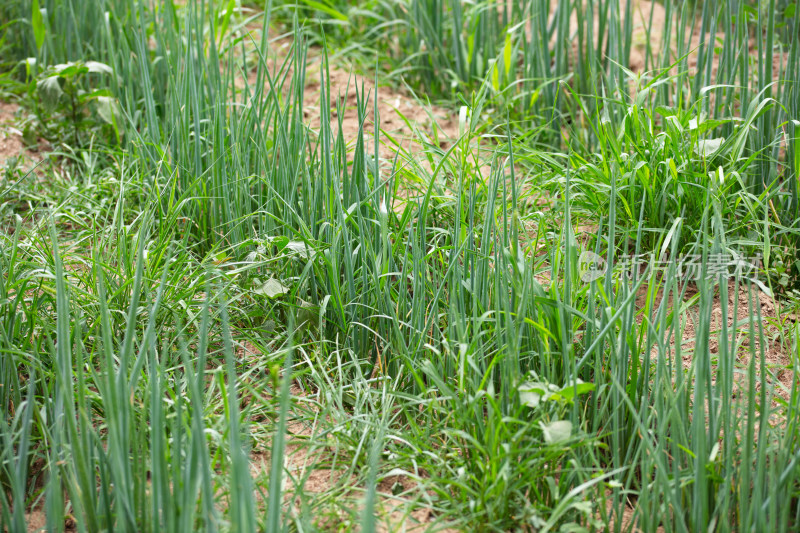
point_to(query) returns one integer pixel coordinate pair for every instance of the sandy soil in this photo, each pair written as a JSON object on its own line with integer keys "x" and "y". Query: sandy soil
{"x": 311, "y": 468}
{"x": 10, "y": 137}
{"x": 408, "y": 126}
{"x": 777, "y": 356}
{"x": 17, "y": 159}
{"x": 12, "y": 147}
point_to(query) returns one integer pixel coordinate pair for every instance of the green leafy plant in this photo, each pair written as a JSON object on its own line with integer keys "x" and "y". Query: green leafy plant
{"x": 70, "y": 104}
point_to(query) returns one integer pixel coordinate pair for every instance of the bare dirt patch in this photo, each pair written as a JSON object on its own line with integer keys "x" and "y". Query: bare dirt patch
{"x": 10, "y": 138}
{"x": 741, "y": 303}
{"x": 36, "y": 520}
{"x": 13, "y": 151}
{"x": 312, "y": 469}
